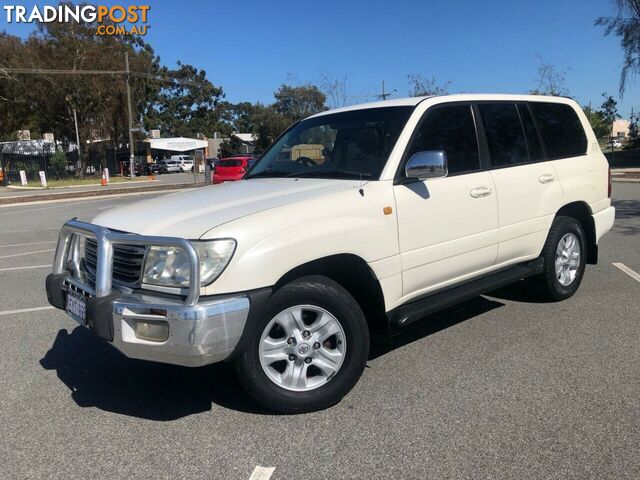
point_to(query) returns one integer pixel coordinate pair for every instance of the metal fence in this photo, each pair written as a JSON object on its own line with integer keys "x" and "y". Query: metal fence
{"x": 33, "y": 157}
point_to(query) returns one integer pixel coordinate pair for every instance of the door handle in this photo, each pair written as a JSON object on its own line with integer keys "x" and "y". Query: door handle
{"x": 546, "y": 178}
{"x": 480, "y": 192}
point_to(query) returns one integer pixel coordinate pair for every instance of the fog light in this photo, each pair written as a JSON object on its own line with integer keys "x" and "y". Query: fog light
{"x": 153, "y": 331}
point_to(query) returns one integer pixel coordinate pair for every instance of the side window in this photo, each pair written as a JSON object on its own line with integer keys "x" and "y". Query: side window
{"x": 505, "y": 136}
{"x": 531, "y": 133}
{"x": 450, "y": 128}
{"x": 561, "y": 129}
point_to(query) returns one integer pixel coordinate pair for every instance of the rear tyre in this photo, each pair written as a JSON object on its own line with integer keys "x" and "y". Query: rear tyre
{"x": 564, "y": 259}
{"x": 308, "y": 349}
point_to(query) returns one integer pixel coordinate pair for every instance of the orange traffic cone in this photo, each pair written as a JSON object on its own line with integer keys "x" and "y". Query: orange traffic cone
{"x": 104, "y": 179}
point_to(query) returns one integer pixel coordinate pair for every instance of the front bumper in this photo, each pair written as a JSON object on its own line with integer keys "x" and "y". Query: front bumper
{"x": 200, "y": 330}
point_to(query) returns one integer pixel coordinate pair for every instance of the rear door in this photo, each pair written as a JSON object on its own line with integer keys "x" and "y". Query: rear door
{"x": 527, "y": 186}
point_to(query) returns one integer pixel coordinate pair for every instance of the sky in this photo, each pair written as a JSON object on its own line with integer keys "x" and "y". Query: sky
{"x": 251, "y": 47}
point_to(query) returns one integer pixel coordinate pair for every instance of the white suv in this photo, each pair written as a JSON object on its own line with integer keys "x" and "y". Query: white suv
{"x": 355, "y": 220}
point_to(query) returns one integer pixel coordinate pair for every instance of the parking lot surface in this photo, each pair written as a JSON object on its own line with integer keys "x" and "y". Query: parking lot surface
{"x": 502, "y": 386}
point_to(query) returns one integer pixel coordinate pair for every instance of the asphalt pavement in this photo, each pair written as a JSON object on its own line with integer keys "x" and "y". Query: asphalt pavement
{"x": 500, "y": 387}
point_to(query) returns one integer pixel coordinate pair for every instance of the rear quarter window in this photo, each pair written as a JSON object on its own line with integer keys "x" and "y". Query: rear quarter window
{"x": 230, "y": 163}
{"x": 561, "y": 130}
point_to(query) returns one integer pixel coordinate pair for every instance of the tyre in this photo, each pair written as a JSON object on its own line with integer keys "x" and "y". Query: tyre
{"x": 564, "y": 259}
{"x": 308, "y": 349}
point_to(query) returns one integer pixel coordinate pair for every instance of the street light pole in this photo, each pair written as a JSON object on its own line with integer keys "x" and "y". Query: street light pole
{"x": 131, "y": 151}
{"x": 75, "y": 121}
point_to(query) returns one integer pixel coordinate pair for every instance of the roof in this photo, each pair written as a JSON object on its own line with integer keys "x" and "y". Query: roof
{"x": 245, "y": 137}
{"x": 413, "y": 101}
{"x": 177, "y": 144}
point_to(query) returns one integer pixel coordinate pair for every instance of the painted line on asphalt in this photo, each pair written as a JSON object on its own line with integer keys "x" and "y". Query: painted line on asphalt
{"x": 627, "y": 270}
{"x": 26, "y": 310}
{"x": 33, "y": 230}
{"x": 27, "y": 253}
{"x": 10, "y": 269}
{"x": 262, "y": 473}
{"x": 47, "y": 208}
{"x": 28, "y": 244}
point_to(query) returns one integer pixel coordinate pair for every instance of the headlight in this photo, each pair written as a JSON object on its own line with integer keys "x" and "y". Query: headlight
{"x": 169, "y": 266}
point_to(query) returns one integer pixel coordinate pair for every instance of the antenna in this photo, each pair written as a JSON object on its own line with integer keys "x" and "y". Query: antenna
{"x": 361, "y": 190}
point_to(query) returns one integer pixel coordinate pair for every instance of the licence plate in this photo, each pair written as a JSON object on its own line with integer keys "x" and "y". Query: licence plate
{"x": 77, "y": 308}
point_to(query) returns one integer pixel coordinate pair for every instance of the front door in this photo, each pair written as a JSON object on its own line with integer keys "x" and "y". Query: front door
{"x": 447, "y": 226}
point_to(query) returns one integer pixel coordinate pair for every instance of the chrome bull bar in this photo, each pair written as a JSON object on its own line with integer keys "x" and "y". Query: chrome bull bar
{"x": 68, "y": 242}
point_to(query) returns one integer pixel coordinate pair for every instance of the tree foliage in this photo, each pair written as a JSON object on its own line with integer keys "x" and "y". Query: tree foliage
{"x": 186, "y": 103}
{"x": 551, "y": 80}
{"x": 602, "y": 119}
{"x": 181, "y": 101}
{"x": 420, "y": 86}
{"x": 297, "y": 102}
{"x": 626, "y": 26}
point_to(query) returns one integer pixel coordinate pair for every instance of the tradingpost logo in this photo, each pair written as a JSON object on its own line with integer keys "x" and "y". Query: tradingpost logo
{"x": 111, "y": 20}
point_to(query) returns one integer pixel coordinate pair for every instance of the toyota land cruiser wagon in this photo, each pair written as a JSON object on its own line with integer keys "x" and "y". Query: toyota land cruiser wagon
{"x": 402, "y": 208}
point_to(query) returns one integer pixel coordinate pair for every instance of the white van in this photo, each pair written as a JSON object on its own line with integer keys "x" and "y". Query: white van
{"x": 185, "y": 162}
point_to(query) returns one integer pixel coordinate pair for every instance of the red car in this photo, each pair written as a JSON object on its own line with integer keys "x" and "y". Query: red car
{"x": 231, "y": 168}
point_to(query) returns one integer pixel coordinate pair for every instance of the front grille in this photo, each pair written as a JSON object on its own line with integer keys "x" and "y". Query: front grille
{"x": 128, "y": 261}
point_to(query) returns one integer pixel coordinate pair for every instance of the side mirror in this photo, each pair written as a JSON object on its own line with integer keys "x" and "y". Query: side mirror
{"x": 427, "y": 164}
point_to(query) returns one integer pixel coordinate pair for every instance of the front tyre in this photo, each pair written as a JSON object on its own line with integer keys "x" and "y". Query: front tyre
{"x": 308, "y": 349}
{"x": 564, "y": 259}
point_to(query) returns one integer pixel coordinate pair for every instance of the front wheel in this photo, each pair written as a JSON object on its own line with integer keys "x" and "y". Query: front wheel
{"x": 308, "y": 349}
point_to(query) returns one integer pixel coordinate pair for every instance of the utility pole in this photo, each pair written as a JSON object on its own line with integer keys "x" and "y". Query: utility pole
{"x": 131, "y": 149}
{"x": 384, "y": 95}
{"x": 75, "y": 121}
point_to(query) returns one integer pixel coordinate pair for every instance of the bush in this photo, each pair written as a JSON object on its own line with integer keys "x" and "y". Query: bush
{"x": 58, "y": 164}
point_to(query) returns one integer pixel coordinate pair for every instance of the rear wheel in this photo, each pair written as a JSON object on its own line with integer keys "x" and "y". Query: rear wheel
{"x": 564, "y": 259}
{"x": 309, "y": 348}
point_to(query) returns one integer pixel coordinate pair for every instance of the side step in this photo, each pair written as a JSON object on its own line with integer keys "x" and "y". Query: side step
{"x": 409, "y": 313}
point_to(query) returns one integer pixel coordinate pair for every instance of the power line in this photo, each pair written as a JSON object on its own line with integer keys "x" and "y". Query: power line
{"x": 45, "y": 71}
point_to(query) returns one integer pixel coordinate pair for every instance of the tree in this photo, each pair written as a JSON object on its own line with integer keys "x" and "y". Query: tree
{"x": 45, "y": 103}
{"x": 182, "y": 101}
{"x": 336, "y": 90}
{"x": 268, "y": 124}
{"x": 421, "y": 87}
{"x": 626, "y": 26}
{"x": 230, "y": 147}
{"x": 609, "y": 111}
{"x": 633, "y": 130}
{"x": 186, "y": 104}
{"x": 551, "y": 81}
{"x": 601, "y": 129}
{"x": 296, "y": 103}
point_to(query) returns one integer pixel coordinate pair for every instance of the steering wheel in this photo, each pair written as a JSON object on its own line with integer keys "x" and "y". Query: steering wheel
{"x": 306, "y": 161}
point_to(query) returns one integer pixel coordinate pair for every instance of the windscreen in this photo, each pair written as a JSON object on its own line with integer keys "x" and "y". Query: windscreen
{"x": 344, "y": 145}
